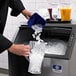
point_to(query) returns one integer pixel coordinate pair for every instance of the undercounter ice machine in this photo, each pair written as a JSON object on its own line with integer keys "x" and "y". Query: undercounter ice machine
{"x": 53, "y": 64}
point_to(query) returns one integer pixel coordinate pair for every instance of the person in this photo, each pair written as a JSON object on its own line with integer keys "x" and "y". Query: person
{"x": 5, "y": 44}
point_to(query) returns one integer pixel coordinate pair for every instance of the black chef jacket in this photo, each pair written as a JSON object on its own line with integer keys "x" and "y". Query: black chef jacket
{"x": 17, "y": 7}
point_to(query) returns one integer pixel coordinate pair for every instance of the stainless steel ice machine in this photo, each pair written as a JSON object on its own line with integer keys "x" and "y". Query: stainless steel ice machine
{"x": 53, "y": 65}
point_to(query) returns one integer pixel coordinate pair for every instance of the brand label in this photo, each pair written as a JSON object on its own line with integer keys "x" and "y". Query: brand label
{"x": 57, "y": 68}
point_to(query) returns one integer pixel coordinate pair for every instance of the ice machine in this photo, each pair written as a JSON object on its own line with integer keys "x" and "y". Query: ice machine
{"x": 53, "y": 64}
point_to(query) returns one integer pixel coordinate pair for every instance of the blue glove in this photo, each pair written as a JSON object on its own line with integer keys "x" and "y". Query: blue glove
{"x": 36, "y": 19}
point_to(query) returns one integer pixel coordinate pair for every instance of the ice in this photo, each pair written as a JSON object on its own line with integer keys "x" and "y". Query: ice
{"x": 37, "y": 33}
{"x": 36, "y": 57}
{"x": 57, "y": 47}
{"x": 54, "y": 46}
{"x": 37, "y": 28}
{"x": 39, "y": 49}
{"x": 37, "y": 52}
{"x": 35, "y": 63}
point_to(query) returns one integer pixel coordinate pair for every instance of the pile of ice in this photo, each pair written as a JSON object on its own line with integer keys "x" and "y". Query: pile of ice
{"x": 56, "y": 46}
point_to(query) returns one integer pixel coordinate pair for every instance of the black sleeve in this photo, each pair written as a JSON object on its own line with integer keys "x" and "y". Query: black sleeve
{"x": 16, "y": 6}
{"x": 4, "y": 43}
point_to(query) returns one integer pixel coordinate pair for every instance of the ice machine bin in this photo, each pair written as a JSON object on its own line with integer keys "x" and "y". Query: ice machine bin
{"x": 18, "y": 66}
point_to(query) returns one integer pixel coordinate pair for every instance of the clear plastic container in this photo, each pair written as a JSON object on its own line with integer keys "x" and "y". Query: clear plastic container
{"x": 36, "y": 57}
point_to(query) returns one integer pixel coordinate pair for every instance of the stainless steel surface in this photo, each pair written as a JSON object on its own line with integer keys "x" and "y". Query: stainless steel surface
{"x": 49, "y": 70}
{"x": 1, "y": 74}
{"x": 72, "y": 69}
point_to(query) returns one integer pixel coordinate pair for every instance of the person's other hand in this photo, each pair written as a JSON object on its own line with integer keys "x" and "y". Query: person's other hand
{"x": 27, "y": 13}
{"x": 20, "y": 49}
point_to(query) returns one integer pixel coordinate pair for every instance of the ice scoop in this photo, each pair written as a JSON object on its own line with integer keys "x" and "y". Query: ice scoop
{"x": 36, "y": 19}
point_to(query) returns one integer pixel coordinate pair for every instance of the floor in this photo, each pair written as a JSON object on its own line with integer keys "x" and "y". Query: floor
{"x": 1, "y": 74}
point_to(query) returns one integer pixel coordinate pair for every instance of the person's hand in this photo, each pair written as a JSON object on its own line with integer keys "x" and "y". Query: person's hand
{"x": 27, "y": 13}
{"x": 20, "y": 49}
